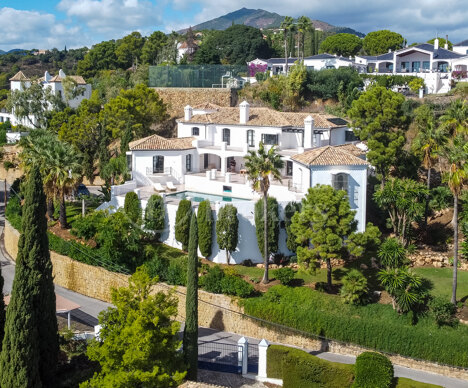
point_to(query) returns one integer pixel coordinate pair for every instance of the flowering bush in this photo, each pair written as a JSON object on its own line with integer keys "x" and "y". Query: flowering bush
{"x": 459, "y": 74}
{"x": 254, "y": 69}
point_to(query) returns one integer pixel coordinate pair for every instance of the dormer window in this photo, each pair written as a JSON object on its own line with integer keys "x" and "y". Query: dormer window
{"x": 251, "y": 138}
{"x": 195, "y": 131}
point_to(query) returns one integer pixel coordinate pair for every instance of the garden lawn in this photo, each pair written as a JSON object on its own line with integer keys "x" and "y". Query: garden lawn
{"x": 441, "y": 279}
{"x": 374, "y": 326}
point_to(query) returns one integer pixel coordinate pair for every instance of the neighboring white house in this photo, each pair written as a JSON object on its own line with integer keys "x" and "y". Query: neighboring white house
{"x": 461, "y": 48}
{"x": 185, "y": 48}
{"x": 20, "y": 82}
{"x": 206, "y": 161}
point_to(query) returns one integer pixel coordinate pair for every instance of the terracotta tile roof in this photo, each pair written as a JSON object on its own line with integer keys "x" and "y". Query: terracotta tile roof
{"x": 78, "y": 78}
{"x": 155, "y": 142}
{"x": 328, "y": 156}
{"x": 265, "y": 117}
{"x": 206, "y": 106}
{"x": 19, "y": 77}
{"x": 352, "y": 149}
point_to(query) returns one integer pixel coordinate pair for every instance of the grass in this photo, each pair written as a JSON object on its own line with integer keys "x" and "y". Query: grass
{"x": 403, "y": 382}
{"x": 441, "y": 279}
{"x": 165, "y": 251}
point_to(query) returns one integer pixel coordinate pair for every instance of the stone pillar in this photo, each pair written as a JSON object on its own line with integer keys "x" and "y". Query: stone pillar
{"x": 243, "y": 354}
{"x": 223, "y": 165}
{"x": 308, "y": 131}
{"x": 262, "y": 358}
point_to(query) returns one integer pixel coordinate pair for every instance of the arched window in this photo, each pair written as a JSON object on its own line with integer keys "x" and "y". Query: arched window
{"x": 195, "y": 131}
{"x": 227, "y": 136}
{"x": 340, "y": 181}
{"x": 251, "y": 138}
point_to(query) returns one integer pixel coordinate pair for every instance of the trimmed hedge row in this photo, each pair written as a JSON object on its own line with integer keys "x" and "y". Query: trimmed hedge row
{"x": 301, "y": 369}
{"x": 374, "y": 326}
{"x": 373, "y": 370}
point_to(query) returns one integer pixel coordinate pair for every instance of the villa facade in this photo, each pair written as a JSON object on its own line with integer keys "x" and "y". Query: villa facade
{"x": 206, "y": 161}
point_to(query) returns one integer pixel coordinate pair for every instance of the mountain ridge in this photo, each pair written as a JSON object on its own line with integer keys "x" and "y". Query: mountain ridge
{"x": 260, "y": 18}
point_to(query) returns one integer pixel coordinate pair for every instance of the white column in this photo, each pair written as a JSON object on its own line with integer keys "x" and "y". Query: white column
{"x": 69, "y": 320}
{"x": 223, "y": 165}
{"x": 243, "y": 354}
{"x": 262, "y": 358}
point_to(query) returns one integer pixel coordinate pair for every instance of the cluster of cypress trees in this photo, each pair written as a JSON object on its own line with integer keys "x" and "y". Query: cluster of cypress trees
{"x": 30, "y": 345}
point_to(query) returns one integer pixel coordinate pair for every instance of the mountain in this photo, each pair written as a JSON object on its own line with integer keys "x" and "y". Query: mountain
{"x": 260, "y": 18}
{"x": 10, "y": 51}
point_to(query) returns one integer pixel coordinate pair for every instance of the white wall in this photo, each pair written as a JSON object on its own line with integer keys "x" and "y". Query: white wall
{"x": 461, "y": 49}
{"x": 357, "y": 182}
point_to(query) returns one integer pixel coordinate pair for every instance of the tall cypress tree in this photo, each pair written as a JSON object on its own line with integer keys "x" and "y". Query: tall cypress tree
{"x": 191, "y": 304}
{"x": 30, "y": 346}
{"x": 2, "y": 310}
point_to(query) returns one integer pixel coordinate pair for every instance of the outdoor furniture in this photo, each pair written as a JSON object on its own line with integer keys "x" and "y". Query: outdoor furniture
{"x": 159, "y": 187}
{"x": 171, "y": 186}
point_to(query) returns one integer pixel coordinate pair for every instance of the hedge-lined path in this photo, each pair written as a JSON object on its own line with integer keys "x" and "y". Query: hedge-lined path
{"x": 90, "y": 309}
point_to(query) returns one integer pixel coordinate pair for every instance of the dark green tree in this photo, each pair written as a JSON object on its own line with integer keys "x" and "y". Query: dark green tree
{"x": 273, "y": 224}
{"x": 205, "y": 228}
{"x": 191, "y": 303}
{"x": 325, "y": 221}
{"x": 2, "y": 310}
{"x": 30, "y": 345}
{"x": 341, "y": 44}
{"x": 128, "y": 50}
{"x": 379, "y": 42}
{"x": 378, "y": 118}
{"x": 227, "y": 226}
{"x": 182, "y": 223}
{"x": 132, "y": 206}
{"x": 290, "y": 209}
{"x": 155, "y": 215}
{"x": 100, "y": 57}
{"x": 442, "y": 42}
{"x": 152, "y": 47}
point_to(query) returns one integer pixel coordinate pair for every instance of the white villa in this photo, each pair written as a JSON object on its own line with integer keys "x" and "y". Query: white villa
{"x": 432, "y": 63}
{"x": 206, "y": 161}
{"x": 20, "y": 82}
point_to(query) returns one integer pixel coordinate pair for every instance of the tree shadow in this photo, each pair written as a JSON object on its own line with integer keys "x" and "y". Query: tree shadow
{"x": 217, "y": 321}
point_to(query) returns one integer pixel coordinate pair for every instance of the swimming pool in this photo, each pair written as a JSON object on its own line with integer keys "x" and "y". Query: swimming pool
{"x": 198, "y": 197}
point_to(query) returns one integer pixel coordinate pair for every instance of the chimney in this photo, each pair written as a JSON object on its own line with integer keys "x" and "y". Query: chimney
{"x": 308, "y": 132}
{"x": 62, "y": 74}
{"x": 389, "y": 50}
{"x": 188, "y": 111}
{"x": 436, "y": 43}
{"x": 446, "y": 42}
{"x": 47, "y": 76}
{"x": 244, "y": 112}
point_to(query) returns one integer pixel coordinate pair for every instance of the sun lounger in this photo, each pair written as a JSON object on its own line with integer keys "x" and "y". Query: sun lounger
{"x": 171, "y": 186}
{"x": 159, "y": 187}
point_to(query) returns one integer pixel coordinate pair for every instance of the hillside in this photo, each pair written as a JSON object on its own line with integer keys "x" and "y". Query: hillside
{"x": 260, "y": 18}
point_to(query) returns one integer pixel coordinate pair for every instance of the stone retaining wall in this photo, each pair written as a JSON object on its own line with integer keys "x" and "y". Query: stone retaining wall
{"x": 215, "y": 311}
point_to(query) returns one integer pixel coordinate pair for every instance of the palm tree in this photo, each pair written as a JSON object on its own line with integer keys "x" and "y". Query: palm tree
{"x": 303, "y": 25}
{"x": 63, "y": 173}
{"x": 429, "y": 141}
{"x": 260, "y": 165}
{"x": 286, "y": 25}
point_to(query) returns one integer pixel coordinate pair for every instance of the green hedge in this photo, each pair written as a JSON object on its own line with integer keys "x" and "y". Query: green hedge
{"x": 300, "y": 369}
{"x": 374, "y": 326}
{"x": 373, "y": 370}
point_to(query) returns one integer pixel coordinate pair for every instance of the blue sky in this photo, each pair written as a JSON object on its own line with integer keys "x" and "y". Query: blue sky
{"x": 76, "y": 23}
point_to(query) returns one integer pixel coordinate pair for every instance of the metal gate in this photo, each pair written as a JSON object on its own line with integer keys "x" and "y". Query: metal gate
{"x": 222, "y": 357}
{"x": 252, "y": 360}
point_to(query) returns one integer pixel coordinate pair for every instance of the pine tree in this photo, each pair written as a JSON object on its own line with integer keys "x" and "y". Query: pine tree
{"x": 30, "y": 346}
{"x": 191, "y": 303}
{"x": 2, "y": 310}
{"x": 182, "y": 223}
{"x": 205, "y": 228}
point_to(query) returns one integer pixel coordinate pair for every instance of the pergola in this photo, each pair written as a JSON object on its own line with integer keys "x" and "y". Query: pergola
{"x": 62, "y": 306}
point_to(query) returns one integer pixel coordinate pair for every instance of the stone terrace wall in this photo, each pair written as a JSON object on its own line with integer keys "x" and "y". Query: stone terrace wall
{"x": 215, "y": 311}
{"x": 178, "y": 98}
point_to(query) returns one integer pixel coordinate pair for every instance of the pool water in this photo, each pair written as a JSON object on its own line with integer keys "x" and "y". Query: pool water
{"x": 199, "y": 197}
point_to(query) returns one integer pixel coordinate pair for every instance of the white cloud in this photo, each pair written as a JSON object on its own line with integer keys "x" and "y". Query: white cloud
{"x": 113, "y": 18}
{"x": 415, "y": 19}
{"x": 32, "y": 29}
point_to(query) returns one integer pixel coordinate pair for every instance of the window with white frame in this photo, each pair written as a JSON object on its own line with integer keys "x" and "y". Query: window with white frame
{"x": 340, "y": 181}
{"x": 251, "y": 138}
{"x": 195, "y": 131}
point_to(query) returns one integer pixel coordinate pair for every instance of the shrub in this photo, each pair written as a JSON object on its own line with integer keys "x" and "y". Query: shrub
{"x": 392, "y": 254}
{"x": 177, "y": 272}
{"x": 444, "y": 312}
{"x": 290, "y": 209}
{"x": 275, "y": 356}
{"x": 132, "y": 206}
{"x": 369, "y": 240}
{"x": 233, "y": 285}
{"x": 155, "y": 214}
{"x": 284, "y": 275}
{"x": 354, "y": 289}
{"x": 7, "y": 165}
{"x": 182, "y": 223}
{"x": 13, "y": 212}
{"x": 211, "y": 282}
{"x": 158, "y": 266}
{"x": 373, "y": 370}
{"x": 301, "y": 369}
{"x": 87, "y": 227}
{"x": 205, "y": 228}
{"x": 441, "y": 198}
